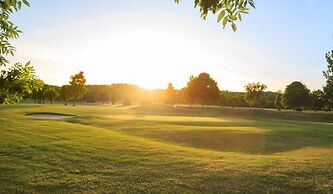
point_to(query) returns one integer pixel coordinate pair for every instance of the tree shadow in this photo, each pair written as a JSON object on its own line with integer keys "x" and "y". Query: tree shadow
{"x": 231, "y": 134}
{"x": 276, "y": 135}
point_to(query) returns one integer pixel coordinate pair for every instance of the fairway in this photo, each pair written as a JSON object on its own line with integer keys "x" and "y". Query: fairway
{"x": 104, "y": 148}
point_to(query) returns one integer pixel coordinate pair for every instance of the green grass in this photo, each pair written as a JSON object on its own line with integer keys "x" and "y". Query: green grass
{"x": 157, "y": 150}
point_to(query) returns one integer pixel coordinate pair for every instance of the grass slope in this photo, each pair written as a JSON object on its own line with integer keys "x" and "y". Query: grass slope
{"x": 132, "y": 150}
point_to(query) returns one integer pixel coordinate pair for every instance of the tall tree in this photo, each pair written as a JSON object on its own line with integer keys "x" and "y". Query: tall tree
{"x": 229, "y": 11}
{"x": 328, "y": 74}
{"x": 202, "y": 90}
{"x": 296, "y": 96}
{"x": 19, "y": 81}
{"x": 77, "y": 86}
{"x": 255, "y": 95}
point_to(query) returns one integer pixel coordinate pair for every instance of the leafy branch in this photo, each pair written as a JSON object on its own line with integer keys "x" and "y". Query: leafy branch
{"x": 8, "y": 30}
{"x": 229, "y": 11}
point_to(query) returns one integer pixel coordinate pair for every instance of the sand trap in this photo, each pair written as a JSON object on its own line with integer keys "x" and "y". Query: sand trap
{"x": 49, "y": 116}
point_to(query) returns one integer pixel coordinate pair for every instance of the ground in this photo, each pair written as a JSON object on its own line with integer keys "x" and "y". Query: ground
{"x": 157, "y": 149}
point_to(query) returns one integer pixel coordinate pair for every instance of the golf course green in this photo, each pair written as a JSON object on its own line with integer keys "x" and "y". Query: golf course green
{"x": 159, "y": 149}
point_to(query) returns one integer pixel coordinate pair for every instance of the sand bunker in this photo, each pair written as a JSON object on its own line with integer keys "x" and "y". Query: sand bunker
{"x": 49, "y": 116}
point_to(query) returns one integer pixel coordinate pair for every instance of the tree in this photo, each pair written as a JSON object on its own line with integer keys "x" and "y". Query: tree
{"x": 278, "y": 100}
{"x": 233, "y": 99}
{"x": 170, "y": 95}
{"x": 19, "y": 81}
{"x": 318, "y": 100}
{"x": 296, "y": 96}
{"x": 8, "y": 30}
{"x": 77, "y": 87}
{"x": 11, "y": 90}
{"x": 104, "y": 97}
{"x": 51, "y": 93}
{"x": 229, "y": 11}
{"x": 124, "y": 92}
{"x": 34, "y": 95}
{"x": 223, "y": 100}
{"x": 202, "y": 90}
{"x": 64, "y": 93}
{"x": 41, "y": 94}
{"x": 255, "y": 95}
{"x": 328, "y": 74}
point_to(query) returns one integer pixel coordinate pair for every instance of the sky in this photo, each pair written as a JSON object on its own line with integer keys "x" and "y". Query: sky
{"x": 153, "y": 42}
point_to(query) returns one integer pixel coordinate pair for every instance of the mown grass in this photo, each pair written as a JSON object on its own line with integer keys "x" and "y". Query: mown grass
{"x": 131, "y": 150}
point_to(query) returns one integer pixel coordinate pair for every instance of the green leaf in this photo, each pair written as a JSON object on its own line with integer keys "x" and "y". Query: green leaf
{"x": 221, "y": 15}
{"x": 234, "y": 27}
{"x": 252, "y": 4}
{"x": 240, "y": 17}
{"x": 26, "y": 3}
{"x": 233, "y": 17}
{"x": 225, "y": 21}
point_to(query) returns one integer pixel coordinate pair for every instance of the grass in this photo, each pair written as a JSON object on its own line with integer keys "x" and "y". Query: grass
{"x": 157, "y": 150}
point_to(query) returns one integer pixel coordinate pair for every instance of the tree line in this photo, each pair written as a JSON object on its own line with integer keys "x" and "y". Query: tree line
{"x": 200, "y": 90}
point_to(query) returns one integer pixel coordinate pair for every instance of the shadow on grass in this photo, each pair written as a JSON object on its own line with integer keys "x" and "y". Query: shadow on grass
{"x": 246, "y": 136}
{"x": 234, "y": 112}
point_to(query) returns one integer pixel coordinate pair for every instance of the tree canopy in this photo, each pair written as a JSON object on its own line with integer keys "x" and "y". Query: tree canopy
{"x": 51, "y": 93}
{"x": 64, "y": 93}
{"x": 202, "y": 90}
{"x": 229, "y": 11}
{"x": 77, "y": 86}
{"x": 255, "y": 95}
{"x": 296, "y": 96}
{"x": 318, "y": 100}
{"x": 170, "y": 95}
{"x": 17, "y": 82}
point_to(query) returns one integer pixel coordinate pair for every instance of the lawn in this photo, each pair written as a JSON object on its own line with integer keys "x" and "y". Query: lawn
{"x": 157, "y": 149}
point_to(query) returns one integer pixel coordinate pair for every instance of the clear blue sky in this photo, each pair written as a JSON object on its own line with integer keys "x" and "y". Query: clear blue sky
{"x": 153, "y": 42}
